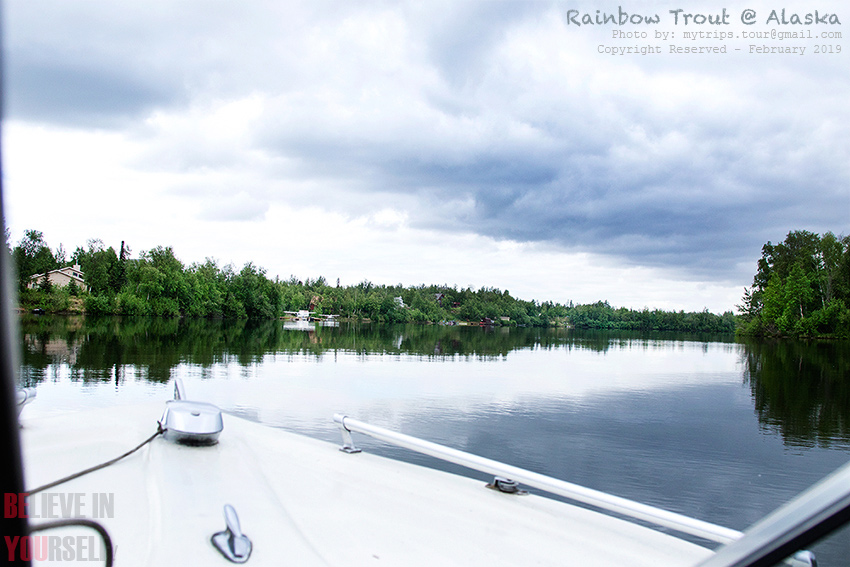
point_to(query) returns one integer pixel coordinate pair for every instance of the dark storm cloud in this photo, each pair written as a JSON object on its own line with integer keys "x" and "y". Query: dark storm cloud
{"x": 79, "y": 94}
{"x": 705, "y": 203}
{"x": 91, "y": 65}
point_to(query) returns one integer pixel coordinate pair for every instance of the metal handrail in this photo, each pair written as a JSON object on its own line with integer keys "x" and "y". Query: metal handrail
{"x": 575, "y": 492}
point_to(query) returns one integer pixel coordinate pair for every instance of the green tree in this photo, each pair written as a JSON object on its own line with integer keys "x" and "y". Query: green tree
{"x": 206, "y": 288}
{"x": 801, "y": 287}
{"x": 830, "y": 252}
{"x": 99, "y": 266}
{"x": 256, "y": 293}
{"x": 32, "y": 256}
{"x": 798, "y": 294}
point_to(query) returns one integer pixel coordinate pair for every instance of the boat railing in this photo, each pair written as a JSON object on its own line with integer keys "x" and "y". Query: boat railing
{"x": 602, "y": 500}
{"x": 815, "y": 512}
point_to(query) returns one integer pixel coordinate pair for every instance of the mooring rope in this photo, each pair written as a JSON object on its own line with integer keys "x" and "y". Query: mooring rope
{"x": 159, "y": 431}
{"x": 84, "y": 521}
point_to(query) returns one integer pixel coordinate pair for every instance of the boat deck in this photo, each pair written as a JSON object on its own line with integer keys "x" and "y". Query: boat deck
{"x": 303, "y": 502}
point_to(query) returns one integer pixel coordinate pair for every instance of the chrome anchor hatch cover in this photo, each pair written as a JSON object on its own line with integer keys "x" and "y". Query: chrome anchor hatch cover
{"x": 190, "y": 423}
{"x": 232, "y": 543}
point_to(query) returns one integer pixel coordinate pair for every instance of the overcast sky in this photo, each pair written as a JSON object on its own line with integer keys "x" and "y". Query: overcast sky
{"x": 480, "y": 143}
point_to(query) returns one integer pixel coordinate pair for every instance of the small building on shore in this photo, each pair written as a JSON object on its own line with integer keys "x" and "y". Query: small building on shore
{"x": 61, "y": 277}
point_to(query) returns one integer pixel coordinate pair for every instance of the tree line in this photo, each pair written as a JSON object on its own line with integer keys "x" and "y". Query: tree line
{"x": 801, "y": 288}
{"x": 157, "y": 283}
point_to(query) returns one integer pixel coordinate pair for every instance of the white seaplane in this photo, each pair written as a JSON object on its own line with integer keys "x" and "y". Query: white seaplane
{"x": 303, "y": 318}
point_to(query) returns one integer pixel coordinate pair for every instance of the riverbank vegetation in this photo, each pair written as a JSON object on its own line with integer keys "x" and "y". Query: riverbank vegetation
{"x": 158, "y": 284}
{"x": 801, "y": 288}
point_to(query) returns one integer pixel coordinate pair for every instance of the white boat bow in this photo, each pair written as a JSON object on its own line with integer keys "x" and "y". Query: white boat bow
{"x": 304, "y": 502}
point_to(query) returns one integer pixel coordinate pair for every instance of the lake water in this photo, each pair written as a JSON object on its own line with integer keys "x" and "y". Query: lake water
{"x": 720, "y": 430}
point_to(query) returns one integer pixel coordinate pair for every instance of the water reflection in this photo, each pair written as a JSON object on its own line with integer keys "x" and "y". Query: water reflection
{"x": 93, "y": 346}
{"x": 801, "y": 389}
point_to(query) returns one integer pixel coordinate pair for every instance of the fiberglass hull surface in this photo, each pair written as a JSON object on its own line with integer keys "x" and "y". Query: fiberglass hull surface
{"x": 304, "y": 502}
